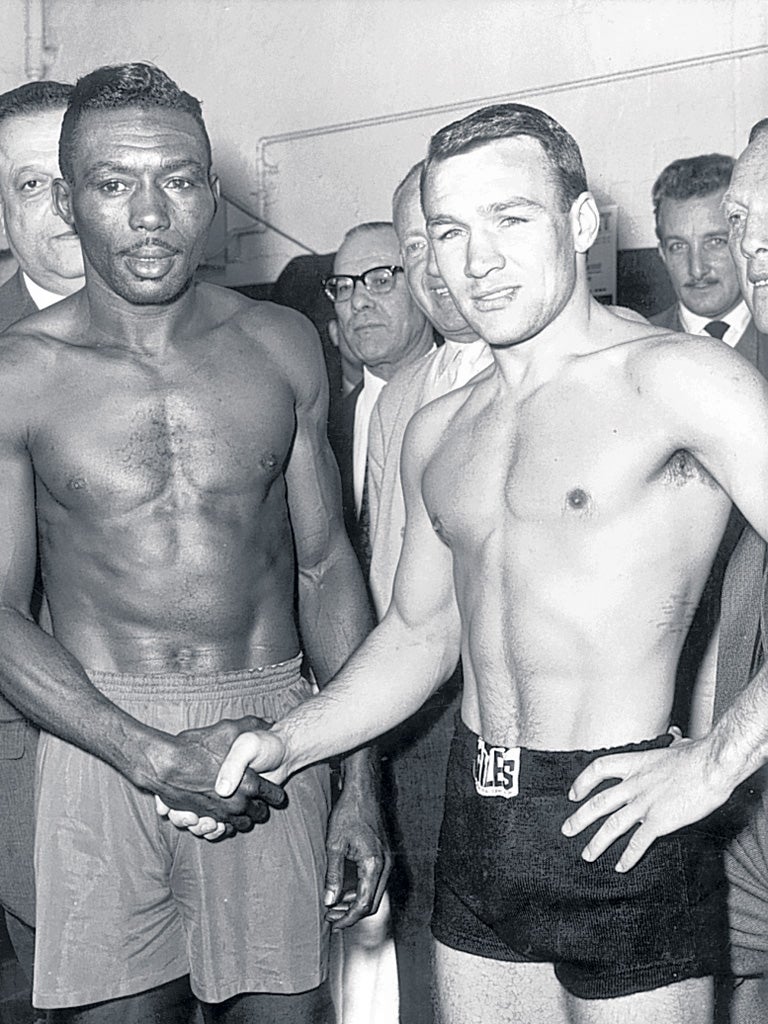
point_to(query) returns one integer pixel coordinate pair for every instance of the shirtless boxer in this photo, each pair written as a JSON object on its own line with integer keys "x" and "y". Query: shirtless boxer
{"x": 173, "y": 435}
{"x": 562, "y": 514}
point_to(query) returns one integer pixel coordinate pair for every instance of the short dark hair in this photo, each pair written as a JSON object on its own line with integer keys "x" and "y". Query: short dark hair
{"x": 507, "y": 121}
{"x": 119, "y": 87}
{"x": 34, "y": 97}
{"x": 690, "y": 177}
{"x": 758, "y": 129}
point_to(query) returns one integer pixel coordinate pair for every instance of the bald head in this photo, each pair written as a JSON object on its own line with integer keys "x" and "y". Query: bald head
{"x": 746, "y": 209}
{"x": 421, "y": 273}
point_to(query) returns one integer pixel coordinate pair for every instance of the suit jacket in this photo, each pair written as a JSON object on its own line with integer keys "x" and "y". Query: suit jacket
{"x": 406, "y": 393}
{"x": 668, "y": 318}
{"x": 15, "y": 301}
{"x": 752, "y": 345}
{"x": 15, "y": 304}
{"x": 341, "y": 436}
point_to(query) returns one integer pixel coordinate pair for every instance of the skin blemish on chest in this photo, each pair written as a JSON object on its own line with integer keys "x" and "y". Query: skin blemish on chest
{"x": 77, "y": 483}
{"x": 268, "y": 461}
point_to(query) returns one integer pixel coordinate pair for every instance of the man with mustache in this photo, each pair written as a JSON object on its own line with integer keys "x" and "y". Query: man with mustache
{"x": 693, "y": 245}
{"x": 166, "y": 441}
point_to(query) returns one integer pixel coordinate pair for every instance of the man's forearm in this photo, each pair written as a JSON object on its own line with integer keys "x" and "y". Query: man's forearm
{"x": 384, "y": 682}
{"x": 739, "y": 740}
{"x": 49, "y": 686}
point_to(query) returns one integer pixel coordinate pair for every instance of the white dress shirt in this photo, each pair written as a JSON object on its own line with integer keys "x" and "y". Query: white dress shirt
{"x": 453, "y": 365}
{"x": 737, "y": 321}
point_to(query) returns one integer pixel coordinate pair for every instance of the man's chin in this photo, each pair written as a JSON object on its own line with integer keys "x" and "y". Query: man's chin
{"x": 759, "y": 308}
{"x": 148, "y": 292}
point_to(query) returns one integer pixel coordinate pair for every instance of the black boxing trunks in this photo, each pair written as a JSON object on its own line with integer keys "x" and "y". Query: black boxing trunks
{"x": 510, "y": 886}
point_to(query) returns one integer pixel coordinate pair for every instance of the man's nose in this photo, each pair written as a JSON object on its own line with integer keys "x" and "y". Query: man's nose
{"x": 361, "y": 297}
{"x": 149, "y": 209}
{"x": 698, "y": 265}
{"x": 754, "y": 240}
{"x": 482, "y": 255}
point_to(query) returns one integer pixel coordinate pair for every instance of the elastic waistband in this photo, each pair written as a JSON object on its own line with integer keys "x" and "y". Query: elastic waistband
{"x": 164, "y": 686}
{"x": 534, "y": 771}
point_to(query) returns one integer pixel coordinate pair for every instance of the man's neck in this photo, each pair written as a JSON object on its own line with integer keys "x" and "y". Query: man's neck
{"x": 423, "y": 345}
{"x": 541, "y": 356}
{"x": 145, "y": 329}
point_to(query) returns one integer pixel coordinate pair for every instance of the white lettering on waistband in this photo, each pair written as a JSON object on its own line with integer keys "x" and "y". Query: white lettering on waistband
{"x": 496, "y": 770}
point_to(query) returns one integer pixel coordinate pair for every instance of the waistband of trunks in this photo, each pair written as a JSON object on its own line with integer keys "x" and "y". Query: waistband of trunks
{"x": 164, "y": 686}
{"x": 541, "y": 771}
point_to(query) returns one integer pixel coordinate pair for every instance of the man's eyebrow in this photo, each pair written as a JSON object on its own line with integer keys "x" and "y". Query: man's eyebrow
{"x": 440, "y": 218}
{"x": 111, "y": 167}
{"x": 513, "y": 203}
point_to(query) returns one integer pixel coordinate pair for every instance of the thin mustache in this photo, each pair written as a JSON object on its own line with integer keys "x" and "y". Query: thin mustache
{"x": 149, "y": 243}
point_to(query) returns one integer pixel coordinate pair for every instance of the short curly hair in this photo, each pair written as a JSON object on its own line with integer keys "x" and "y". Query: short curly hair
{"x": 120, "y": 87}
{"x": 690, "y": 177}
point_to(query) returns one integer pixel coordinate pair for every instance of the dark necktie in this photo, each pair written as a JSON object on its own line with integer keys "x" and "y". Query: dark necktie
{"x": 716, "y": 328}
{"x": 364, "y": 528}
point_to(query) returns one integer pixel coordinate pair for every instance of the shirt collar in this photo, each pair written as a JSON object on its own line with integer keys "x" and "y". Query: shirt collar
{"x": 41, "y": 297}
{"x": 737, "y": 321}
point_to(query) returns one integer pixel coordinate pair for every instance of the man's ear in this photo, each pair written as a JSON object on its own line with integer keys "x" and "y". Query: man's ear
{"x": 215, "y": 183}
{"x": 333, "y": 332}
{"x": 662, "y": 254}
{"x": 62, "y": 201}
{"x": 585, "y": 221}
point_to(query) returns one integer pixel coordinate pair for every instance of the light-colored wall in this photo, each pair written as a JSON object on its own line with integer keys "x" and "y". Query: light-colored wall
{"x": 650, "y": 80}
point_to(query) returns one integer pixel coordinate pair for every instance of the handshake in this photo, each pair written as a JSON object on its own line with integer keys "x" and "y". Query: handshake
{"x": 205, "y": 783}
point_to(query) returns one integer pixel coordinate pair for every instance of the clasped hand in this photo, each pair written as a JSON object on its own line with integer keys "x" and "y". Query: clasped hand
{"x": 197, "y": 755}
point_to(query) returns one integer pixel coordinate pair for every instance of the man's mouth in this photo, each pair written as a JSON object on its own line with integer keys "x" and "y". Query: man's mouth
{"x": 150, "y": 261}
{"x": 496, "y": 298}
{"x": 702, "y": 285}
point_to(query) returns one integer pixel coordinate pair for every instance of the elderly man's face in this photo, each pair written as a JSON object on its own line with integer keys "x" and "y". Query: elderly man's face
{"x": 424, "y": 280}
{"x": 746, "y": 211}
{"x": 381, "y": 330}
{"x": 693, "y": 244}
{"x": 46, "y": 248}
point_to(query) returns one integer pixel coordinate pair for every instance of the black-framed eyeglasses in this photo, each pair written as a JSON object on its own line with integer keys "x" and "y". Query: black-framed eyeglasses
{"x": 377, "y": 280}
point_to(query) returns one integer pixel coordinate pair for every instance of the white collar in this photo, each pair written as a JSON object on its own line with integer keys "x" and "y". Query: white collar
{"x": 41, "y": 297}
{"x": 737, "y": 321}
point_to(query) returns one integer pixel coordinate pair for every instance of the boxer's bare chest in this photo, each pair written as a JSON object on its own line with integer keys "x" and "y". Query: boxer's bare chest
{"x": 120, "y": 430}
{"x": 569, "y": 460}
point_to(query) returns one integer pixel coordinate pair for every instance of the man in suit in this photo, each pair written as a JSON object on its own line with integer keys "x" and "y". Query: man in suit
{"x": 379, "y": 322}
{"x": 50, "y": 266}
{"x": 693, "y": 245}
{"x": 415, "y": 753}
{"x": 46, "y": 249}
